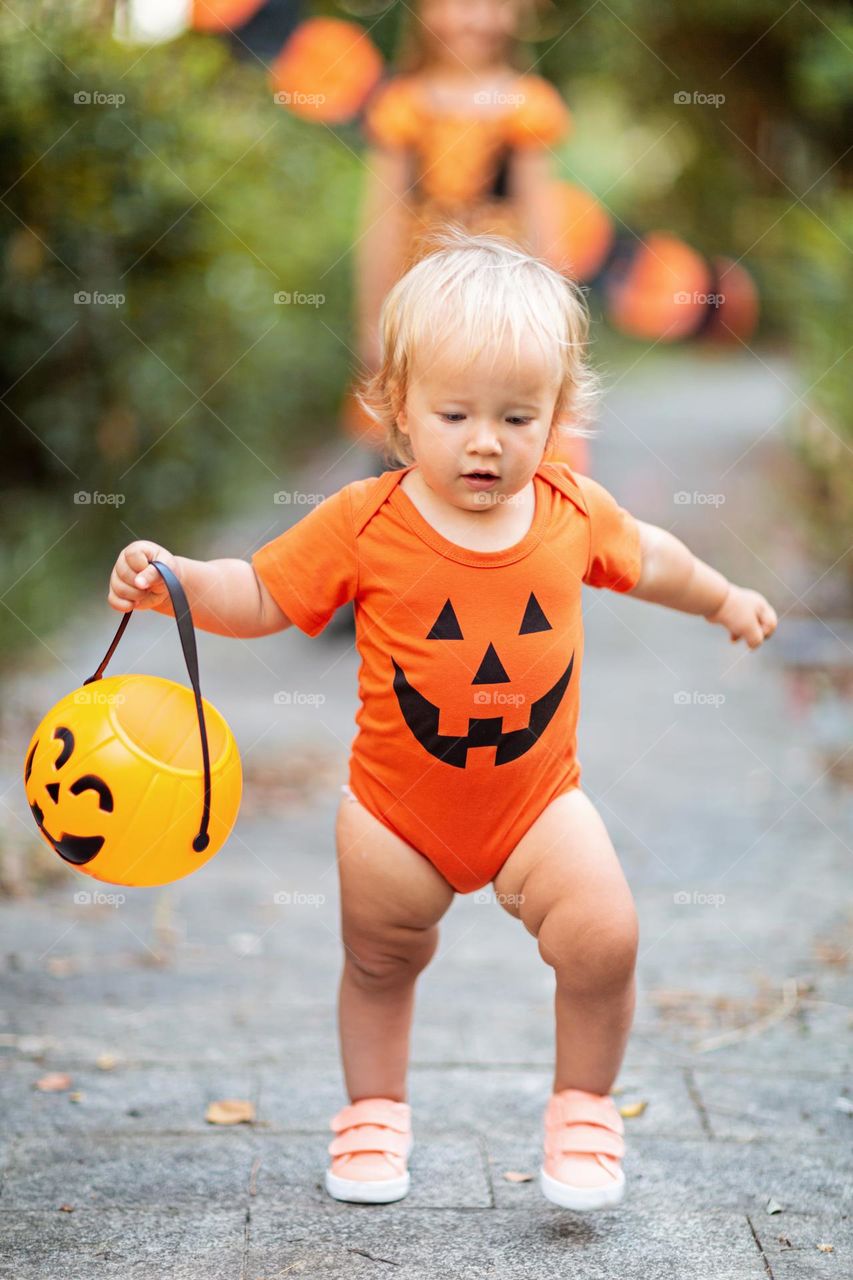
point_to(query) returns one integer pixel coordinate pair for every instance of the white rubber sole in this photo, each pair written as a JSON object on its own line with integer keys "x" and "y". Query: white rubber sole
{"x": 362, "y": 1191}
{"x": 581, "y": 1199}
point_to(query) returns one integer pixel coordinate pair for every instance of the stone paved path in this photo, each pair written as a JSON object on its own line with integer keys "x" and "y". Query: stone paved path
{"x": 735, "y": 847}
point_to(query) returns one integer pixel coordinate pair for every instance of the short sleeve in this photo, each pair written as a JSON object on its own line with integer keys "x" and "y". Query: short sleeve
{"x": 390, "y": 118}
{"x": 615, "y": 551}
{"x": 541, "y": 118}
{"x": 312, "y": 568}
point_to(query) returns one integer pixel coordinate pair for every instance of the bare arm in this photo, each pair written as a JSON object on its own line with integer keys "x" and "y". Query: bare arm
{"x": 225, "y": 596}
{"x": 380, "y": 246}
{"x": 671, "y": 575}
{"x": 531, "y": 181}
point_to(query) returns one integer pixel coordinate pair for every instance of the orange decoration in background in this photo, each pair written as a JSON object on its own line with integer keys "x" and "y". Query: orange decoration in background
{"x": 736, "y": 314}
{"x": 586, "y": 231}
{"x": 326, "y": 70}
{"x": 222, "y": 15}
{"x": 661, "y": 292}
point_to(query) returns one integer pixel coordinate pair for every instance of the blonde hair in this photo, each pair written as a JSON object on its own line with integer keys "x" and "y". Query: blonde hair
{"x": 467, "y": 294}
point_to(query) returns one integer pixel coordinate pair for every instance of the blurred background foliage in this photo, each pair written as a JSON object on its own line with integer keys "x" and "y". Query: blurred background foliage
{"x": 197, "y": 199}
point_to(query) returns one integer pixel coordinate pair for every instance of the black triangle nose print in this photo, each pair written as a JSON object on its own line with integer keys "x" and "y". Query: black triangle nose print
{"x": 491, "y": 670}
{"x": 534, "y": 619}
{"x": 446, "y": 625}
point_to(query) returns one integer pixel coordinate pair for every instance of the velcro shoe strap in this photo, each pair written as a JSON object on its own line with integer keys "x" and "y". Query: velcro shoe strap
{"x": 393, "y": 1115}
{"x": 590, "y": 1138}
{"x": 575, "y": 1110}
{"x": 369, "y": 1137}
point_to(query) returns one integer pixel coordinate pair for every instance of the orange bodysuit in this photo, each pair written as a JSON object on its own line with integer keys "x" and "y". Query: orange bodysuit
{"x": 470, "y": 660}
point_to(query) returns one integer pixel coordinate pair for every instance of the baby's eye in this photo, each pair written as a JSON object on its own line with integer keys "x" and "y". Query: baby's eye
{"x": 516, "y": 420}
{"x": 452, "y": 417}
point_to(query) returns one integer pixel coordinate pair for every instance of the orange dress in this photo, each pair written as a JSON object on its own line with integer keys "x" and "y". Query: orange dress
{"x": 460, "y": 172}
{"x": 470, "y": 660}
{"x": 461, "y": 159}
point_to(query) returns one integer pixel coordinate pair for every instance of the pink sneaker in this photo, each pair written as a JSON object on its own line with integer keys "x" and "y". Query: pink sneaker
{"x": 583, "y": 1150}
{"x": 374, "y": 1138}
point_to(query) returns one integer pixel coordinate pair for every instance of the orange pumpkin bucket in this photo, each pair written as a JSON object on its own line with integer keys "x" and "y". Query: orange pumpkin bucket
{"x": 133, "y": 779}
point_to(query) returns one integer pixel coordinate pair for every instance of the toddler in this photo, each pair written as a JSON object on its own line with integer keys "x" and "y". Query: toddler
{"x": 465, "y": 566}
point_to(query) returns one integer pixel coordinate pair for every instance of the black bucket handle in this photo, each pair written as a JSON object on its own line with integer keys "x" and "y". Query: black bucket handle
{"x": 186, "y": 631}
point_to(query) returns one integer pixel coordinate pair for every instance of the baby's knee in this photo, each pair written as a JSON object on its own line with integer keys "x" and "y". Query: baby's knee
{"x": 597, "y": 953}
{"x": 379, "y": 964}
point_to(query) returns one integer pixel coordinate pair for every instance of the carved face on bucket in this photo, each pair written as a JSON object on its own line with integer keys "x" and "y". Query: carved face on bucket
{"x": 52, "y": 794}
{"x": 493, "y": 666}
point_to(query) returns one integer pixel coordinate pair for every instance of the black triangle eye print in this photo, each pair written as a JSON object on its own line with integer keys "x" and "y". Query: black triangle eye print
{"x": 534, "y": 618}
{"x": 422, "y": 716}
{"x": 446, "y": 625}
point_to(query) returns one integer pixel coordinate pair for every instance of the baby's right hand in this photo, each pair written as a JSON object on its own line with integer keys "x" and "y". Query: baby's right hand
{"x": 133, "y": 582}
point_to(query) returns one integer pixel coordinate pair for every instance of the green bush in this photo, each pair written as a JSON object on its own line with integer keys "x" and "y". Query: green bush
{"x": 182, "y": 200}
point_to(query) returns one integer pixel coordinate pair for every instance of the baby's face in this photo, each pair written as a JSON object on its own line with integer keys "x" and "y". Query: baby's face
{"x": 490, "y": 415}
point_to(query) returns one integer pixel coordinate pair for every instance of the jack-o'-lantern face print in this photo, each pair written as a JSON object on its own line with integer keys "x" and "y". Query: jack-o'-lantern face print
{"x": 502, "y": 661}
{"x": 54, "y": 811}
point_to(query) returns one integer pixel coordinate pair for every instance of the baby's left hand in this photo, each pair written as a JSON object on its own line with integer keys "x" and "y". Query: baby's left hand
{"x": 746, "y": 615}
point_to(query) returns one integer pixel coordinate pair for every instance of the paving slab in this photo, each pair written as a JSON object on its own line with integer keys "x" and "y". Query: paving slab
{"x": 540, "y": 1242}
{"x": 796, "y": 1246}
{"x": 94, "y": 1171}
{"x": 107, "y": 1242}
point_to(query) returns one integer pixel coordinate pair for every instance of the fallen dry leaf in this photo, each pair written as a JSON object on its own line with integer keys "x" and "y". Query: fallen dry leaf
{"x": 66, "y": 1208}
{"x": 53, "y": 1082}
{"x": 631, "y": 1109}
{"x": 76, "y": 1096}
{"x": 835, "y": 954}
{"x": 230, "y": 1111}
{"x": 106, "y": 1061}
{"x": 512, "y": 1176}
{"x": 825, "y": 1248}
